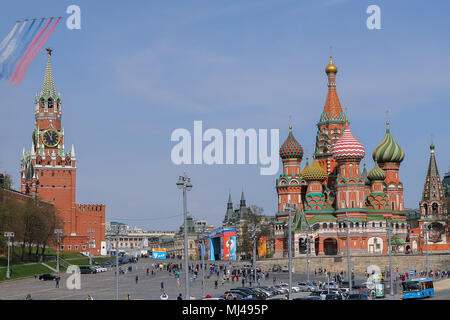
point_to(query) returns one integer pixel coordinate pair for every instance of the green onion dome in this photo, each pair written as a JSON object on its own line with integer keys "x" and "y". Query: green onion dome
{"x": 376, "y": 174}
{"x": 314, "y": 172}
{"x": 388, "y": 150}
{"x": 291, "y": 149}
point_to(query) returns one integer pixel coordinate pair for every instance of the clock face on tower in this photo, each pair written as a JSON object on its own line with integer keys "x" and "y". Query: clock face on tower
{"x": 50, "y": 138}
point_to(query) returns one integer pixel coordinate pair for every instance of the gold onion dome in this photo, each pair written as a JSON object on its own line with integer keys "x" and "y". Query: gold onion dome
{"x": 388, "y": 150}
{"x": 291, "y": 149}
{"x": 331, "y": 68}
{"x": 376, "y": 174}
{"x": 314, "y": 172}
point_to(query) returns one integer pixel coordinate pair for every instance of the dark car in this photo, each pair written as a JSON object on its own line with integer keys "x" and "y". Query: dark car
{"x": 308, "y": 298}
{"x": 250, "y": 291}
{"x": 48, "y": 276}
{"x": 333, "y": 296}
{"x": 237, "y": 295}
{"x": 355, "y": 296}
{"x": 276, "y": 268}
{"x": 87, "y": 269}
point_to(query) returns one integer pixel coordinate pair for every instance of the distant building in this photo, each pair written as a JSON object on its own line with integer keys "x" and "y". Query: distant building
{"x": 433, "y": 222}
{"x": 135, "y": 239}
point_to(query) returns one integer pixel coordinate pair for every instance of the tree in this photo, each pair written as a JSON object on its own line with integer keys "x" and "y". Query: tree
{"x": 254, "y": 218}
{"x": 6, "y": 181}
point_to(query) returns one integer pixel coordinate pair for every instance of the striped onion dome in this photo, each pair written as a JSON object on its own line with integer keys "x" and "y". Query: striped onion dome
{"x": 314, "y": 172}
{"x": 291, "y": 149}
{"x": 348, "y": 147}
{"x": 376, "y": 174}
{"x": 388, "y": 150}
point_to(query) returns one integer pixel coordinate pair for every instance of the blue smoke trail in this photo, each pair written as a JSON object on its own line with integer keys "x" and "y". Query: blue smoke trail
{"x": 11, "y": 45}
{"x": 10, "y": 63}
{"x": 5, "y": 41}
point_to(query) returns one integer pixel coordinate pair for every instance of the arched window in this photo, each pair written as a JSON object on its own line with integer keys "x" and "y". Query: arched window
{"x": 42, "y": 102}
{"x": 434, "y": 208}
{"x": 324, "y": 226}
{"x": 357, "y": 224}
{"x": 50, "y": 103}
{"x": 331, "y": 226}
{"x": 351, "y": 225}
{"x": 381, "y": 224}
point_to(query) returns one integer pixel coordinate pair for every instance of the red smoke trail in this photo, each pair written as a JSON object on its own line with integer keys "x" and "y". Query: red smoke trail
{"x": 33, "y": 54}
{"x": 25, "y": 56}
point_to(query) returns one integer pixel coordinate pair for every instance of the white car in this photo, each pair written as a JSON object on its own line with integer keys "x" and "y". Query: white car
{"x": 286, "y": 286}
{"x": 100, "y": 269}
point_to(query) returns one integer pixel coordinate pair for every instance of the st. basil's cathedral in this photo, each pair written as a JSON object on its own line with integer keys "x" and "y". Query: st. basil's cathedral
{"x": 332, "y": 191}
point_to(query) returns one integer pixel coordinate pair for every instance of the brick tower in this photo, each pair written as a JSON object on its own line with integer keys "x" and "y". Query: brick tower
{"x": 331, "y": 123}
{"x": 48, "y": 171}
{"x": 389, "y": 155}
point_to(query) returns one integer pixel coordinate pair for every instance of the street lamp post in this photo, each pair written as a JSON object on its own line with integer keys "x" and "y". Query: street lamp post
{"x": 117, "y": 261}
{"x": 8, "y": 235}
{"x": 291, "y": 209}
{"x": 90, "y": 231}
{"x": 307, "y": 252}
{"x": 426, "y": 248}
{"x": 391, "y": 282}
{"x": 184, "y": 182}
{"x": 349, "y": 269}
{"x": 202, "y": 251}
{"x": 58, "y": 233}
{"x": 254, "y": 229}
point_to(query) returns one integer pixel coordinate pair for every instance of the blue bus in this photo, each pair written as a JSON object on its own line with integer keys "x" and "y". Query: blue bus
{"x": 418, "y": 288}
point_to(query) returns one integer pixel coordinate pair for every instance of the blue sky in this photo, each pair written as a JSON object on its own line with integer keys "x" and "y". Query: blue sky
{"x": 138, "y": 70}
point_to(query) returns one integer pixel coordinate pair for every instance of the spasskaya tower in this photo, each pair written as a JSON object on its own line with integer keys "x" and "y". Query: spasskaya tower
{"x": 49, "y": 171}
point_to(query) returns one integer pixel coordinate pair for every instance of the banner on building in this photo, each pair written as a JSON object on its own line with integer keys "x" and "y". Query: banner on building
{"x": 229, "y": 247}
{"x": 159, "y": 253}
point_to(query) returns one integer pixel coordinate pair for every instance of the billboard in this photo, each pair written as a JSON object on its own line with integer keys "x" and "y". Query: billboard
{"x": 159, "y": 253}
{"x": 229, "y": 246}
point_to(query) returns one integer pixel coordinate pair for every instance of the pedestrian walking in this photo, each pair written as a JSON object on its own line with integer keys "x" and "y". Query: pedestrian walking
{"x": 164, "y": 296}
{"x": 137, "y": 278}
{"x": 57, "y": 282}
{"x": 162, "y": 286}
{"x": 243, "y": 282}
{"x": 89, "y": 297}
{"x": 215, "y": 284}
{"x": 180, "y": 297}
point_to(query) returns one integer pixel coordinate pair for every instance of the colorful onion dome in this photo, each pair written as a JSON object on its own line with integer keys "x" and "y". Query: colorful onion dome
{"x": 376, "y": 174}
{"x": 291, "y": 149}
{"x": 348, "y": 147}
{"x": 331, "y": 68}
{"x": 388, "y": 150}
{"x": 314, "y": 172}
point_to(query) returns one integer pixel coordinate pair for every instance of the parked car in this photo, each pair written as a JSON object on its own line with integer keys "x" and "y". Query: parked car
{"x": 248, "y": 291}
{"x": 286, "y": 269}
{"x": 355, "y": 296}
{"x": 269, "y": 290}
{"x": 276, "y": 268}
{"x": 87, "y": 269}
{"x": 308, "y": 298}
{"x": 331, "y": 285}
{"x": 333, "y": 296}
{"x": 100, "y": 269}
{"x": 281, "y": 289}
{"x": 48, "y": 276}
{"x": 286, "y": 286}
{"x": 307, "y": 286}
